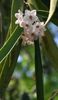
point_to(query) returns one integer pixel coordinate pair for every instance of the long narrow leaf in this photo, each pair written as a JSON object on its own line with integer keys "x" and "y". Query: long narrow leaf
{"x": 53, "y": 4}
{"x": 10, "y": 43}
{"x": 16, "y": 4}
{"x": 11, "y": 60}
{"x": 51, "y": 49}
{"x": 8, "y": 69}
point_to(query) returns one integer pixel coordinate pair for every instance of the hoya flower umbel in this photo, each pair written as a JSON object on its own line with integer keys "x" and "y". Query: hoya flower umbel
{"x": 33, "y": 28}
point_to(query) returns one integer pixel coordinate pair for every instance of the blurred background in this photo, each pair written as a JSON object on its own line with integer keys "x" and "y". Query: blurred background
{"x": 22, "y": 84}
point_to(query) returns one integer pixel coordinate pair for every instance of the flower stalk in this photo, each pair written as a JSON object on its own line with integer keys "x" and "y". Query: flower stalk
{"x": 38, "y": 71}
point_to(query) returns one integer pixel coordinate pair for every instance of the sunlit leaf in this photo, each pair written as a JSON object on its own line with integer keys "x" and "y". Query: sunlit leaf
{"x": 10, "y": 43}
{"x": 7, "y": 69}
{"x": 11, "y": 60}
{"x": 16, "y": 4}
{"x": 53, "y": 4}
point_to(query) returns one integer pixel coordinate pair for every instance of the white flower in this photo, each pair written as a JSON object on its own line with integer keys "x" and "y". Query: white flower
{"x": 19, "y": 17}
{"x": 30, "y": 16}
{"x": 28, "y": 12}
{"x": 27, "y": 27}
{"x": 38, "y": 29}
{"x": 27, "y": 39}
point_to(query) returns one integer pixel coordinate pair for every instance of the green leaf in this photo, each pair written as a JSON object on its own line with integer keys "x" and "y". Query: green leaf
{"x": 8, "y": 69}
{"x": 16, "y": 4}
{"x": 11, "y": 60}
{"x": 37, "y": 4}
{"x": 51, "y": 49}
{"x": 53, "y": 4}
{"x": 0, "y": 21}
{"x": 10, "y": 43}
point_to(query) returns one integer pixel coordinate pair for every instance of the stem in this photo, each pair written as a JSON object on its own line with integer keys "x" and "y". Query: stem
{"x": 38, "y": 72}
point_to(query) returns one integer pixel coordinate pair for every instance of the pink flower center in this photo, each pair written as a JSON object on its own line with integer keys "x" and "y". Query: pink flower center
{"x": 32, "y": 34}
{"x": 30, "y": 17}
{"x": 27, "y": 25}
{"x": 37, "y": 26}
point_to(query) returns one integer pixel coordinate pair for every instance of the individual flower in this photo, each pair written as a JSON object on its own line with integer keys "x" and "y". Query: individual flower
{"x": 27, "y": 27}
{"x": 30, "y": 16}
{"x": 27, "y": 39}
{"x": 19, "y": 17}
{"x": 38, "y": 29}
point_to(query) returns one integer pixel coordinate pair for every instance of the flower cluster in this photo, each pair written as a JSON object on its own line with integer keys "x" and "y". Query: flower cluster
{"x": 33, "y": 28}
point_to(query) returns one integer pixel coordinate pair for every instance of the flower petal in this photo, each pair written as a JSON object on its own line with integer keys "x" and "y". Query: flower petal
{"x": 27, "y": 12}
{"x": 33, "y": 12}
